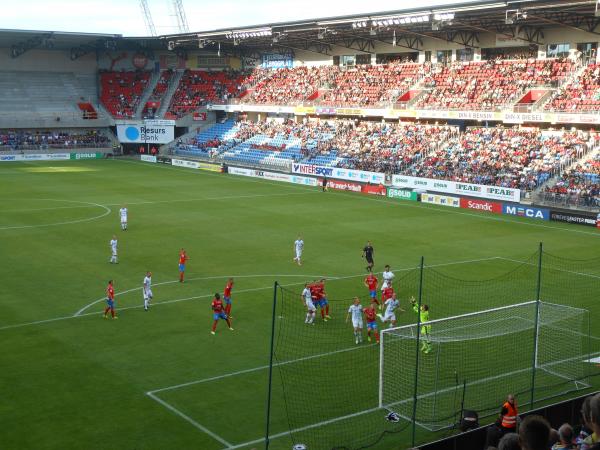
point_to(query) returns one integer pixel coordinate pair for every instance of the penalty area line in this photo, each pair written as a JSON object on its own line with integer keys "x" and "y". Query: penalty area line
{"x": 188, "y": 419}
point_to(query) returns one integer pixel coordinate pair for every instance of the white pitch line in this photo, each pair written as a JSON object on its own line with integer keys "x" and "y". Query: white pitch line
{"x": 547, "y": 266}
{"x": 107, "y": 211}
{"x": 259, "y": 368}
{"x": 368, "y": 411}
{"x": 78, "y": 313}
{"x": 189, "y": 420}
{"x": 55, "y": 319}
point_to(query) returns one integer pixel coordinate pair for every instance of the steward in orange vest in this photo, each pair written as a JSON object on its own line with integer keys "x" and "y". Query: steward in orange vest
{"x": 509, "y": 415}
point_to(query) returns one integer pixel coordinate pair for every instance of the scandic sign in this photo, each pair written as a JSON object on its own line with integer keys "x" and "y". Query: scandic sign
{"x": 453, "y": 187}
{"x": 481, "y": 205}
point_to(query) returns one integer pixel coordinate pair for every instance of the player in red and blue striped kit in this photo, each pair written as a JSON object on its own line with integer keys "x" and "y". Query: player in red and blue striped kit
{"x": 219, "y": 313}
{"x": 110, "y": 301}
{"x": 227, "y": 297}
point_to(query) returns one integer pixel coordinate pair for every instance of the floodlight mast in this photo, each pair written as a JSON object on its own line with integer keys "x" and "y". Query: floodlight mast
{"x": 148, "y": 17}
{"x": 182, "y": 23}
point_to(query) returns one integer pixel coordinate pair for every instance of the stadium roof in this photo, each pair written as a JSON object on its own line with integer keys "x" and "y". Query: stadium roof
{"x": 460, "y": 23}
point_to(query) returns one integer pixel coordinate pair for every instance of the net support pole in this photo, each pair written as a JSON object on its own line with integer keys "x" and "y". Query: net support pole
{"x": 418, "y": 353}
{"x": 536, "y": 332}
{"x": 269, "y": 388}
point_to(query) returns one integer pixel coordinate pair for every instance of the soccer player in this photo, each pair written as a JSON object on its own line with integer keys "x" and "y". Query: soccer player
{"x": 227, "y": 297}
{"x": 324, "y": 183}
{"x": 371, "y": 315}
{"x": 356, "y": 310}
{"x": 298, "y": 246}
{"x": 110, "y": 301}
{"x": 123, "y": 213}
{"x": 371, "y": 284}
{"x": 368, "y": 255}
{"x": 386, "y": 293}
{"x": 323, "y": 298}
{"x": 391, "y": 304}
{"x": 218, "y": 313}
{"x": 426, "y": 347}
{"x": 113, "y": 250}
{"x": 310, "y": 306}
{"x": 183, "y": 257}
{"x": 147, "y": 290}
{"x": 388, "y": 277}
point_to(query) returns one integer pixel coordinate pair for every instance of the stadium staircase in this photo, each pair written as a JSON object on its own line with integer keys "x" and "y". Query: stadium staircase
{"x": 168, "y": 97}
{"x": 147, "y": 93}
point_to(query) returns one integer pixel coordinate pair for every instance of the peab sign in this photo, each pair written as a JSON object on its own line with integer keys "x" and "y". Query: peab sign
{"x": 453, "y": 187}
{"x": 481, "y": 205}
{"x": 526, "y": 211}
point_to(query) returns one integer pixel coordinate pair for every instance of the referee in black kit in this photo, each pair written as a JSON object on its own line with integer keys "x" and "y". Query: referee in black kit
{"x": 368, "y": 255}
{"x": 324, "y": 185}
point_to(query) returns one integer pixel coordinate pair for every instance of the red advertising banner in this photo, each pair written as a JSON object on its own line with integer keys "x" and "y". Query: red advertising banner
{"x": 481, "y": 205}
{"x": 341, "y": 185}
{"x": 374, "y": 189}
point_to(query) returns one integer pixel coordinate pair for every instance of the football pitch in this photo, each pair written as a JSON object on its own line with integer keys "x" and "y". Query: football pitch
{"x": 159, "y": 379}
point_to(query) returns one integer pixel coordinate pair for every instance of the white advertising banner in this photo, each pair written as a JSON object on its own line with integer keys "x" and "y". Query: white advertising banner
{"x": 36, "y": 157}
{"x": 274, "y": 176}
{"x": 145, "y": 133}
{"x": 185, "y": 163}
{"x": 340, "y": 174}
{"x": 453, "y": 187}
{"x": 148, "y": 158}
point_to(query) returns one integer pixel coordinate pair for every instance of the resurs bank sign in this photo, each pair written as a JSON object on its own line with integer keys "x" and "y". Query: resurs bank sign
{"x": 145, "y": 133}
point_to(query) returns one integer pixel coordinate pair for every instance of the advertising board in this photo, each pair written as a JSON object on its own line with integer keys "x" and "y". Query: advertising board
{"x": 457, "y": 188}
{"x": 481, "y": 205}
{"x": 442, "y": 200}
{"x": 148, "y": 158}
{"x": 402, "y": 194}
{"x": 339, "y": 173}
{"x": 573, "y": 217}
{"x": 145, "y": 133}
{"x": 526, "y": 211}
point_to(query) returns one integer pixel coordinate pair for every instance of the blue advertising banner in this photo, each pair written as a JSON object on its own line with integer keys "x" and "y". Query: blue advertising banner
{"x": 526, "y": 211}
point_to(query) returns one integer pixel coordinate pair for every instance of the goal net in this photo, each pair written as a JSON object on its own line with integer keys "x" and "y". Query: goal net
{"x": 533, "y": 350}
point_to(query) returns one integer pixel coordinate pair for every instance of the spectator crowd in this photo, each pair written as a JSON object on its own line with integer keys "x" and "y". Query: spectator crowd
{"x": 54, "y": 139}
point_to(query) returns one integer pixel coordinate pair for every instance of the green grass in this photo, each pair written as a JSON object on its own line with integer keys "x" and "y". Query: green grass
{"x": 81, "y": 382}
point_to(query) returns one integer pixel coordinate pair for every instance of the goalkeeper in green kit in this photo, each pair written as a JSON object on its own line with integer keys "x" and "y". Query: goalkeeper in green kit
{"x": 426, "y": 346}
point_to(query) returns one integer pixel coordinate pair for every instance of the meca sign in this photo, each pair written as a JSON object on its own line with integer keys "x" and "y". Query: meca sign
{"x": 525, "y": 211}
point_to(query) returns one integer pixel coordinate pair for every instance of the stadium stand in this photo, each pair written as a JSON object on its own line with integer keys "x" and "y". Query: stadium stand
{"x": 489, "y": 84}
{"x": 45, "y": 92}
{"x": 518, "y": 158}
{"x": 12, "y": 140}
{"x": 370, "y": 85}
{"x": 199, "y": 87}
{"x": 121, "y": 91}
{"x": 510, "y": 157}
{"x": 581, "y": 95}
{"x": 577, "y": 186}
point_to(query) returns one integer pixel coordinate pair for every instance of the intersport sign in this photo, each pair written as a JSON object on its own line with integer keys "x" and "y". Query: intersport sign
{"x": 453, "y": 187}
{"x": 360, "y": 176}
{"x": 481, "y": 205}
{"x": 526, "y": 211}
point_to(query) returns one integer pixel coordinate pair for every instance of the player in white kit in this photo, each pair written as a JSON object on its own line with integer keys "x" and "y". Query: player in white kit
{"x": 147, "y": 290}
{"x": 388, "y": 277}
{"x": 113, "y": 250}
{"x": 310, "y": 307}
{"x": 123, "y": 214}
{"x": 298, "y": 246}
{"x": 391, "y": 305}
{"x": 356, "y": 311}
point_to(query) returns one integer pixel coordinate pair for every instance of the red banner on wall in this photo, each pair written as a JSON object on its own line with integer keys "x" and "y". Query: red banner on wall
{"x": 341, "y": 185}
{"x": 374, "y": 189}
{"x": 481, "y": 205}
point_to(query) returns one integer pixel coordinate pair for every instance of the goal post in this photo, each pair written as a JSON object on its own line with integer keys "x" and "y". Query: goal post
{"x": 476, "y": 359}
